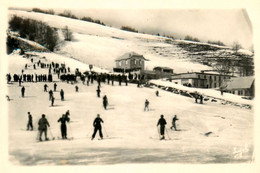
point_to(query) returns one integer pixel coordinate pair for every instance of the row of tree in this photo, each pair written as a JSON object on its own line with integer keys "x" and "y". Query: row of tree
{"x": 35, "y": 30}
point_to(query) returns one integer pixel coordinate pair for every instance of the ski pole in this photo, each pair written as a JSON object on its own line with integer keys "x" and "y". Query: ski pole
{"x": 51, "y": 133}
{"x": 167, "y": 133}
{"x": 70, "y": 131}
{"x": 158, "y": 132}
{"x": 105, "y": 130}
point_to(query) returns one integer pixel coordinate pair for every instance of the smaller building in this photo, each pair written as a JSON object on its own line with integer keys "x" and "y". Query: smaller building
{"x": 130, "y": 62}
{"x": 163, "y": 70}
{"x": 200, "y": 79}
{"x": 244, "y": 86}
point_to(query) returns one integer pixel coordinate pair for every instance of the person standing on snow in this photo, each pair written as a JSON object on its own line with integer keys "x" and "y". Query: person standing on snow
{"x": 50, "y": 94}
{"x": 55, "y": 87}
{"x": 23, "y": 91}
{"x": 63, "y": 126}
{"x": 62, "y": 94}
{"x": 76, "y": 88}
{"x": 52, "y": 100}
{"x": 105, "y": 102}
{"x": 97, "y": 126}
{"x": 45, "y": 87}
{"x": 162, "y": 122}
{"x": 146, "y": 105}
{"x": 174, "y": 122}
{"x": 98, "y": 92}
{"x": 157, "y": 93}
{"x": 29, "y": 124}
{"x": 43, "y": 123}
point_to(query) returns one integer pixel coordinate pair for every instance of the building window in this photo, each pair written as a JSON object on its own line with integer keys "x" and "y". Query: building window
{"x": 120, "y": 63}
{"x": 135, "y": 62}
{"x": 199, "y": 76}
{"x": 126, "y": 62}
{"x": 204, "y": 76}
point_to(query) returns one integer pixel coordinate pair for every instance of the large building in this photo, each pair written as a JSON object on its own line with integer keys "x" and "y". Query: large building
{"x": 244, "y": 86}
{"x": 200, "y": 79}
{"x": 130, "y": 62}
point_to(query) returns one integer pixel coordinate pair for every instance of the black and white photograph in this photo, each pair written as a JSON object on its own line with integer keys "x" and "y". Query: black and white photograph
{"x": 114, "y": 86}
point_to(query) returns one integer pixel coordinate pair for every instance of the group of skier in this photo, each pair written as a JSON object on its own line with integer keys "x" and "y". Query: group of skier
{"x": 43, "y": 125}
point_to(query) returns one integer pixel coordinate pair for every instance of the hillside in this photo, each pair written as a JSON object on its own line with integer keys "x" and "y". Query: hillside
{"x": 101, "y": 45}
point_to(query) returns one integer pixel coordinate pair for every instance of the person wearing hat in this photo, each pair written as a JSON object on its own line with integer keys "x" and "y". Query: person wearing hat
{"x": 29, "y": 124}
{"x": 97, "y": 126}
{"x": 162, "y": 122}
{"x": 43, "y": 123}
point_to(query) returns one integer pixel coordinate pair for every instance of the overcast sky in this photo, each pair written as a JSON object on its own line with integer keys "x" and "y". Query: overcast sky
{"x": 227, "y": 26}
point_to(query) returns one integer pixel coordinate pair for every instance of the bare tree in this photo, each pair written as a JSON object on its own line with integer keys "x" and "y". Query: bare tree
{"x": 236, "y": 46}
{"x": 67, "y": 34}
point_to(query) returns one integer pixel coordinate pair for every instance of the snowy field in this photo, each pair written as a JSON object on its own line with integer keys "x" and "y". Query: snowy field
{"x": 130, "y": 134}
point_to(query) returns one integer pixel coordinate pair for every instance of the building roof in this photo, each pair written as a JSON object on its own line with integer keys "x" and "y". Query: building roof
{"x": 166, "y": 68}
{"x": 130, "y": 55}
{"x": 238, "y": 83}
{"x": 203, "y": 73}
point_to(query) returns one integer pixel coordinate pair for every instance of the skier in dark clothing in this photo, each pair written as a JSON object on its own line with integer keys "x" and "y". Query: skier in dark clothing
{"x": 98, "y": 92}
{"x": 174, "y": 122}
{"x": 62, "y": 94}
{"x": 157, "y": 93}
{"x": 29, "y": 124}
{"x": 52, "y": 100}
{"x": 63, "y": 127}
{"x": 23, "y": 91}
{"x": 146, "y": 105}
{"x": 162, "y": 122}
{"x": 97, "y": 126}
{"x": 105, "y": 102}
{"x": 45, "y": 87}
{"x": 55, "y": 87}
{"x": 50, "y": 94}
{"x": 43, "y": 123}
{"x": 77, "y": 88}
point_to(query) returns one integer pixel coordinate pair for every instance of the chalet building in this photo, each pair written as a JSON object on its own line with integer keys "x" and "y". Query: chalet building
{"x": 244, "y": 86}
{"x": 130, "y": 62}
{"x": 163, "y": 70}
{"x": 199, "y": 79}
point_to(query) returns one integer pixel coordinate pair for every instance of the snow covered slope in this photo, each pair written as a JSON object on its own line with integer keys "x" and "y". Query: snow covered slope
{"x": 101, "y": 45}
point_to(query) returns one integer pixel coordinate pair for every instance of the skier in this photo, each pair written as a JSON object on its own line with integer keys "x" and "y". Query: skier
{"x": 146, "y": 105}
{"x": 97, "y": 126}
{"x": 43, "y": 123}
{"x": 162, "y": 122}
{"x": 77, "y": 88}
{"x": 63, "y": 126}
{"x": 55, "y": 87}
{"x": 23, "y": 90}
{"x": 174, "y": 122}
{"x": 105, "y": 102}
{"x": 45, "y": 87}
{"x": 29, "y": 124}
{"x": 52, "y": 100}
{"x": 157, "y": 93}
{"x": 50, "y": 95}
{"x": 98, "y": 92}
{"x": 62, "y": 94}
